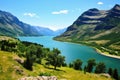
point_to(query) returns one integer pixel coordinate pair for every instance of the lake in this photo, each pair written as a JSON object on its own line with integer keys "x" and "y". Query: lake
{"x": 74, "y": 51}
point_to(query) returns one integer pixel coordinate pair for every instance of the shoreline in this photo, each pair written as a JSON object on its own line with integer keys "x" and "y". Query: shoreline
{"x": 105, "y": 54}
{"x": 97, "y": 50}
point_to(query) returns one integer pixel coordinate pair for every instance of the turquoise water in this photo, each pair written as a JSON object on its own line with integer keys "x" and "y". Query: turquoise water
{"x": 74, "y": 51}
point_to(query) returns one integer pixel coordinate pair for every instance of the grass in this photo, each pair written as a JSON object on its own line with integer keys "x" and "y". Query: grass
{"x": 6, "y": 38}
{"x": 117, "y": 47}
{"x": 7, "y": 64}
{"x": 67, "y": 73}
{"x": 10, "y": 70}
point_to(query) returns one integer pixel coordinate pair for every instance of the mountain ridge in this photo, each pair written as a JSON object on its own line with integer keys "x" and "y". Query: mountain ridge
{"x": 98, "y": 28}
{"x": 10, "y": 25}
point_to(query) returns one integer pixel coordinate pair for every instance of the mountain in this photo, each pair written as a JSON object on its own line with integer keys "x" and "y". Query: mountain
{"x": 98, "y": 28}
{"x": 49, "y": 32}
{"x": 12, "y": 26}
{"x": 44, "y": 31}
{"x": 59, "y": 31}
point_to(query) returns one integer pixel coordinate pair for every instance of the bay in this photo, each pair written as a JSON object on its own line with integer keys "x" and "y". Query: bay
{"x": 73, "y": 51}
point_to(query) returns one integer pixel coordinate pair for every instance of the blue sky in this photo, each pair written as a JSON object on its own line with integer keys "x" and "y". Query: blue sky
{"x": 54, "y": 14}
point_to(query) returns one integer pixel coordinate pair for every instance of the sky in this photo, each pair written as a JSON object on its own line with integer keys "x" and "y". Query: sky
{"x": 53, "y": 14}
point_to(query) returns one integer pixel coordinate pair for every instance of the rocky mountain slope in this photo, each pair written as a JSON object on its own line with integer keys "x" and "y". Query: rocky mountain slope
{"x": 12, "y": 26}
{"x": 99, "y": 28}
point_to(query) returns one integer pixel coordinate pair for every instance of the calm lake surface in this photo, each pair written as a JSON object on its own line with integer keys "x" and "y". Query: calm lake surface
{"x": 74, "y": 51}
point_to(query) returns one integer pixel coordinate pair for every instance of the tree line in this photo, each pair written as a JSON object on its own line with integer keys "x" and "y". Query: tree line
{"x": 92, "y": 66}
{"x": 33, "y": 53}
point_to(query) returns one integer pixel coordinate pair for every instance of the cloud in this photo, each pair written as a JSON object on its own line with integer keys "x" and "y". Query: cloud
{"x": 30, "y": 14}
{"x": 100, "y": 3}
{"x": 60, "y": 12}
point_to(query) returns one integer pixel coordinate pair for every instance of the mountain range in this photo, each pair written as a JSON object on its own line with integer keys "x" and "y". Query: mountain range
{"x": 99, "y": 28}
{"x": 12, "y": 26}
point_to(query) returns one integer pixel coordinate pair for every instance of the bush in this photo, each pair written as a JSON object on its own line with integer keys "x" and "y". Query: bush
{"x": 90, "y": 65}
{"x": 70, "y": 65}
{"x": 100, "y": 68}
{"x": 44, "y": 74}
{"x": 110, "y": 71}
{"x": 115, "y": 74}
{"x": 77, "y": 64}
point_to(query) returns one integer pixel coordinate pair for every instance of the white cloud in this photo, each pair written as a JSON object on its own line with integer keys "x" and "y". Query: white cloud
{"x": 31, "y": 15}
{"x": 60, "y": 12}
{"x": 100, "y": 3}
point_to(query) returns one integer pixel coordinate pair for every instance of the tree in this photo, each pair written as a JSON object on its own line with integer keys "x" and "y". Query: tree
{"x": 77, "y": 64}
{"x": 70, "y": 65}
{"x": 30, "y": 57}
{"x": 85, "y": 69}
{"x": 110, "y": 71}
{"x": 115, "y": 74}
{"x": 28, "y": 63}
{"x": 39, "y": 54}
{"x": 21, "y": 47}
{"x": 90, "y": 65}
{"x": 100, "y": 68}
{"x": 64, "y": 64}
{"x": 34, "y": 53}
{"x": 55, "y": 59}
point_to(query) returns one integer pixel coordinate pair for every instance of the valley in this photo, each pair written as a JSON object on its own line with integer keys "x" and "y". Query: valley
{"x": 36, "y": 44}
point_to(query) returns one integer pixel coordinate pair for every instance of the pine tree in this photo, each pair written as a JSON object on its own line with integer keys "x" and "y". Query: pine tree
{"x": 115, "y": 74}
{"x": 100, "y": 68}
{"x": 110, "y": 71}
{"x": 28, "y": 63}
{"x": 90, "y": 65}
{"x": 77, "y": 64}
{"x": 85, "y": 69}
{"x": 70, "y": 65}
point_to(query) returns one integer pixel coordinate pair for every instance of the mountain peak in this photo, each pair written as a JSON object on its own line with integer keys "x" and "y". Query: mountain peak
{"x": 91, "y": 16}
{"x": 117, "y": 7}
{"x": 92, "y": 12}
{"x": 93, "y": 9}
{"x": 115, "y": 11}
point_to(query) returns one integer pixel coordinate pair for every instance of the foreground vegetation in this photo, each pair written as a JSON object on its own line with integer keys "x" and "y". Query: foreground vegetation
{"x": 12, "y": 70}
{"x": 19, "y": 59}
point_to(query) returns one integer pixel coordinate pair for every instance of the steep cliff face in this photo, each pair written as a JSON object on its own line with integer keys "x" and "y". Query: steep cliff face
{"x": 96, "y": 26}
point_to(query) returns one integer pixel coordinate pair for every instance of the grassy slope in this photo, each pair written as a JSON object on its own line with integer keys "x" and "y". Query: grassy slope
{"x": 9, "y": 67}
{"x": 113, "y": 48}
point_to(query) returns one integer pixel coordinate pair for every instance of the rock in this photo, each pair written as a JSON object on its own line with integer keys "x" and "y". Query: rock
{"x": 19, "y": 60}
{"x": 39, "y": 78}
{"x": 105, "y": 75}
{"x": 18, "y": 70}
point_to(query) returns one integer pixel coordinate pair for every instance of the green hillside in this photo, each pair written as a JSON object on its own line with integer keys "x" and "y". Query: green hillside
{"x": 97, "y": 28}
{"x": 13, "y": 58}
{"x": 12, "y": 70}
